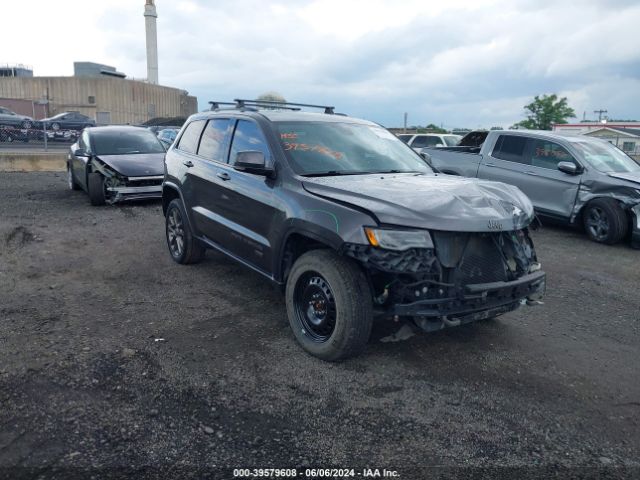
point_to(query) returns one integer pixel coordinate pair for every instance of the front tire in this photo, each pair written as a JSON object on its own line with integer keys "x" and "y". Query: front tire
{"x": 329, "y": 305}
{"x": 96, "y": 189}
{"x": 71, "y": 179}
{"x": 605, "y": 221}
{"x": 183, "y": 246}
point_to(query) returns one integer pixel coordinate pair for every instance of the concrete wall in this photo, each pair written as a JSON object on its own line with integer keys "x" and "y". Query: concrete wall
{"x": 33, "y": 162}
{"x": 127, "y": 101}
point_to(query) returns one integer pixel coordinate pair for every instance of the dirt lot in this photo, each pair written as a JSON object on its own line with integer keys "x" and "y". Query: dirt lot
{"x": 114, "y": 357}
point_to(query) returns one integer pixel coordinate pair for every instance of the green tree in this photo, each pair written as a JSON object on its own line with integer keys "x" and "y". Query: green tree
{"x": 546, "y": 110}
{"x": 271, "y": 97}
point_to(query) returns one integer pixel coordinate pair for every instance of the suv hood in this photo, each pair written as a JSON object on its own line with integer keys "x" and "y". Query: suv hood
{"x": 136, "y": 165}
{"x": 628, "y": 176}
{"x": 433, "y": 201}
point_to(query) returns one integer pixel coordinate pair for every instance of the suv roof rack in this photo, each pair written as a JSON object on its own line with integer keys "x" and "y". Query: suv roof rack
{"x": 216, "y": 105}
{"x": 242, "y": 103}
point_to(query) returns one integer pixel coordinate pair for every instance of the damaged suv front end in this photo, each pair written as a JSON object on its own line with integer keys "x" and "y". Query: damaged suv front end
{"x": 450, "y": 278}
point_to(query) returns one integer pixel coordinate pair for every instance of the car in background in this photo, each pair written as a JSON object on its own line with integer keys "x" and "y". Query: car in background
{"x": 573, "y": 179}
{"x": 420, "y": 140}
{"x": 12, "y": 119}
{"x": 68, "y": 121}
{"x": 167, "y": 136}
{"x": 116, "y": 163}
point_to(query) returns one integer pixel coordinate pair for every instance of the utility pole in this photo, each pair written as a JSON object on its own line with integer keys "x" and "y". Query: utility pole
{"x": 406, "y": 115}
{"x": 600, "y": 112}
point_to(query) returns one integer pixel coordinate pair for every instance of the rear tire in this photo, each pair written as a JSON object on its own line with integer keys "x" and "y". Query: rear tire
{"x": 183, "y": 246}
{"x": 96, "y": 189}
{"x": 329, "y": 305}
{"x": 605, "y": 221}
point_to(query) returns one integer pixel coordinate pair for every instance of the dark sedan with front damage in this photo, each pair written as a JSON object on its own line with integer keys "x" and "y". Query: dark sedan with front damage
{"x": 118, "y": 163}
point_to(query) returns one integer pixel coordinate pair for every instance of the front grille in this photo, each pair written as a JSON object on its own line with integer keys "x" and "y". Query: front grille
{"x": 144, "y": 183}
{"x": 482, "y": 262}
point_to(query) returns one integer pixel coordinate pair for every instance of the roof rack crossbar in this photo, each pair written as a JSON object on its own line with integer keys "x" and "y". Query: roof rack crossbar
{"x": 240, "y": 103}
{"x": 216, "y": 105}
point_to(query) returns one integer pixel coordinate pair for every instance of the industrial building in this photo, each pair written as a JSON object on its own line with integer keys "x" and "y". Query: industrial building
{"x": 107, "y": 99}
{"x": 98, "y": 91}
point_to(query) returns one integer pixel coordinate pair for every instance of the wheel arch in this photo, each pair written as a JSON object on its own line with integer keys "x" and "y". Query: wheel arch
{"x": 300, "y": 240}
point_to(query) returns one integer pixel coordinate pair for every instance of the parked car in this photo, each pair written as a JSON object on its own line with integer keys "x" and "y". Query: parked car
{"x": 349, "y": 221}
{"x": 116, "y": 163}
{"x": 574, "y": 179}
{"x": 12, "y": 119}
{"x": 8, "y": 135}
{"x": 167, "y": 136}
{"x": 68, "y": 121}
{"x": 420, "y": 140}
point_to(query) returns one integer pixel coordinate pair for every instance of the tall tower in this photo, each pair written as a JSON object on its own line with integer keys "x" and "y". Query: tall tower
{"x": 150, "y": 16}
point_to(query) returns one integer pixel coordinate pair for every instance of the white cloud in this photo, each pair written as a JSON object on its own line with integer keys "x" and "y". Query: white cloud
{"x": 461, "y": 62}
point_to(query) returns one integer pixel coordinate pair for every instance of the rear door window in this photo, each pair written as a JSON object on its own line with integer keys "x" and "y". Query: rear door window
{"x": 191, "y": 137}
{"x": 214, "y": 140}
{"x": 511, "y": 148}
{"x": 420, "y": 142}
{"x": 248, "y": 137}
{"x": 546, "y": 154}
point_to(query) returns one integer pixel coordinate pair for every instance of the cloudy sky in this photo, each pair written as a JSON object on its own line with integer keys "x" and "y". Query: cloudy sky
{"x": 460, "y": 63}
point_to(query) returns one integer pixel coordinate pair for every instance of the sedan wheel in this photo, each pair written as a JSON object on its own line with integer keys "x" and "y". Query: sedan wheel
{"x": 55, "y": 126}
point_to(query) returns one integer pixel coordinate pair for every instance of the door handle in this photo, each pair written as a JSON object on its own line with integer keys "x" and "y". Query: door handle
{"x": 489, "y": 165}
{"x": 223, "y": 175}
{"x": 188, "y": 164}
{"x": 532, "y": 174}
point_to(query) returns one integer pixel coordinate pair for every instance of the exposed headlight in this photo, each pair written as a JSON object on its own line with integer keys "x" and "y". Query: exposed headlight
{"x": 398, "y": 239}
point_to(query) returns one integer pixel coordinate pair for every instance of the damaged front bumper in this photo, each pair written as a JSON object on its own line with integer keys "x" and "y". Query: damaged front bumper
{"x": 466, "y": 277}
{"x": 479, "y": 300}
{"x": 135, "y": 188}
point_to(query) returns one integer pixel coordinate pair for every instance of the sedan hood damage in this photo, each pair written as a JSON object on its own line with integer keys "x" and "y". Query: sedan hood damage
{"x": 136, "y": 165}
{"x": 433, "y": 201}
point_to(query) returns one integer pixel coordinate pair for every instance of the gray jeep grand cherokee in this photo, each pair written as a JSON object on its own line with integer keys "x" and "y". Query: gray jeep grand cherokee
{"x": 350, "y": 221}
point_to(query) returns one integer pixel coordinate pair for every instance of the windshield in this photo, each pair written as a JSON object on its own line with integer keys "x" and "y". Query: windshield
{"x": 451, "y": 140}
{"x": 123, "y": 142}
{"x": 346, "y": 149}
{"x": 606, "y": 158}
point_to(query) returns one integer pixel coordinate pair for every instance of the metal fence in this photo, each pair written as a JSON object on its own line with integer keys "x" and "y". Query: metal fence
{"x": 14, "y": 138}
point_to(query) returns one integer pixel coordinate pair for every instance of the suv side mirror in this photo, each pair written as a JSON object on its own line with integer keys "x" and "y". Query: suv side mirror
{"x": 252, "y": 161}
{"x": 81, "y": 152}
{"x": 568, "y": 167}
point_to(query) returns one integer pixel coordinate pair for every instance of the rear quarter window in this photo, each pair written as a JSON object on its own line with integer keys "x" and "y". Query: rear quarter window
{"x": 511, "y": 148}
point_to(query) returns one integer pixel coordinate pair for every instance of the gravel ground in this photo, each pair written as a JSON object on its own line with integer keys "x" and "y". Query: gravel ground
{"x": 114, "y": 360}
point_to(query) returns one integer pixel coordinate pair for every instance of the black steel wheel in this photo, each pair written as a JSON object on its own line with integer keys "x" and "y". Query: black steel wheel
{"x": 183, "y": 246}
{"x": 315, "y": 306}
{"x": 605, "y": 221}
{"x": 329, "y": 305}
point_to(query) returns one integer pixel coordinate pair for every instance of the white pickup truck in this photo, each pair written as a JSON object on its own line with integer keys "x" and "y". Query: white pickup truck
{"x": 418, "y": 141}
{"x": 575, "y": 179}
